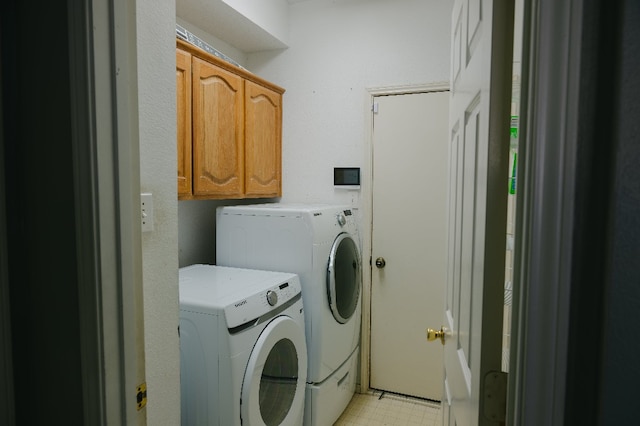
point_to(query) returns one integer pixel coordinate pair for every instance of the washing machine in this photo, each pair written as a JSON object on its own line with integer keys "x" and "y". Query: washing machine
{"x": 243, "y": 356}
{"x": 320, "y": 244}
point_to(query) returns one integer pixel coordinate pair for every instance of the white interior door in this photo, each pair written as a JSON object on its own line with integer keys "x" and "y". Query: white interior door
{"x": 409, "y": 233}
{"x": 482, "y": 34}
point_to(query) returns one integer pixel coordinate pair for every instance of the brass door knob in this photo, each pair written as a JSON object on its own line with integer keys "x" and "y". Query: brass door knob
{"x": 435, "y": 334}
{"x": 380, "y": 262}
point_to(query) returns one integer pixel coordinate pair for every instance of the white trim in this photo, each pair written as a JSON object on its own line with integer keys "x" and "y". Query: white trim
{"x": 440, "y": 86}
{"x": 545, "y": 211}
{"x": 116, "y": 193}
{"x": 447, "y": 393}
{"x": 466, "y": 372}
{"x": 450, "y": 320}
{"x": 129, "y": 249}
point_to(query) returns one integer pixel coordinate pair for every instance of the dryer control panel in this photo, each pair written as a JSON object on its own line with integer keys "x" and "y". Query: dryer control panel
{"x": 343, "y": 216}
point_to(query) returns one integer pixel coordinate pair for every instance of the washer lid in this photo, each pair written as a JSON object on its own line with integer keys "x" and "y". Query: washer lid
{"x": 242, "y": 294}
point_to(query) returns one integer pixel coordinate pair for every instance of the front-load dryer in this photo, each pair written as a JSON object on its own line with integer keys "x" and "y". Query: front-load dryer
{"x": 243, "y": 357}
{"x": 320, "y": 244}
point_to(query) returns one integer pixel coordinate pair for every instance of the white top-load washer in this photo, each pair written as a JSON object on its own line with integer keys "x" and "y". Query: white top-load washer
{"x": 243, "y": 356}
{"x": 320, "y": 244}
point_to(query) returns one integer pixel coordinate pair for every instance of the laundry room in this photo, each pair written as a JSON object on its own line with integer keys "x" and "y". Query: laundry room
{"x": 109, "y": 248}
{"x": 330, "y": 57}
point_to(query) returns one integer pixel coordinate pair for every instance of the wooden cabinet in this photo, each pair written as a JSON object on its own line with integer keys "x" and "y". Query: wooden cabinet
{"x": 218, "y": 131}
{"x": 263, "y": 149}
{"x": 183, "y": 109}
{"x": 234, "y": 134}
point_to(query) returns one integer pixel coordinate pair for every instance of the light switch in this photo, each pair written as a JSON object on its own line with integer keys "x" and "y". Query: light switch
{"x": 146, "y": 205}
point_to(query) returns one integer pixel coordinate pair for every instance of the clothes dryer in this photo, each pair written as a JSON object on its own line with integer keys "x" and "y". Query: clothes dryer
{"x": 243, "y": 356}
{"x": 320, "y": 244}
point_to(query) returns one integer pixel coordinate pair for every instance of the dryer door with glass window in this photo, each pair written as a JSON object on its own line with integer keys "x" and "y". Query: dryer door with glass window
{"x": 344, "y": 277}
{"x": 274, "y": 381}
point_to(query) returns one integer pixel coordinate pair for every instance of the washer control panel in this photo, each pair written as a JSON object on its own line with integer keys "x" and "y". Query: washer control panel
{"x": 272, "y": 297}
{"x": 261, "y": 302}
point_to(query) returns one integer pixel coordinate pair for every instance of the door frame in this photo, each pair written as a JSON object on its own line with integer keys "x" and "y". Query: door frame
{"x": 563, "y": 218}
{"x": 103, "y": 112}
{"x": 366, "y": 217}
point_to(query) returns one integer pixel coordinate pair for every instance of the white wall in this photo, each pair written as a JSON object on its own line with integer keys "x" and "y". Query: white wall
{"x": 158, "y": 159}
{"x": 337, "y": 50}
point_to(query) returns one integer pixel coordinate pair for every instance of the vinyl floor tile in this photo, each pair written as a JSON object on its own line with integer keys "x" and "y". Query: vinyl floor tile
{"x": 370, "y": 409}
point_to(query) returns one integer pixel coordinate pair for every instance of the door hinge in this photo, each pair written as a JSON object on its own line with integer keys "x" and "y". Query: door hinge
{"x": 494, "y": 396}
{"x": 374, "y": 107}
{"x": 141, "y": 396}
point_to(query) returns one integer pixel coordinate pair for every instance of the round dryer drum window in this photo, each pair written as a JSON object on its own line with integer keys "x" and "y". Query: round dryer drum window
{"x": 274, "y": 382}
{"x": 278, "y": 382}
{"x": 344, "y": 278}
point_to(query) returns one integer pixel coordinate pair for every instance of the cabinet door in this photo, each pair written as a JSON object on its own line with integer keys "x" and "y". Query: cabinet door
{"x": 263, "y": 139}
{"x": 183, "y": 109}
{"x": 218, "y": 132}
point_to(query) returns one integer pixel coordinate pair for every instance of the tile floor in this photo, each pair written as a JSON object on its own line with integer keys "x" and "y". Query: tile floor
{"x": 369, "y": 409}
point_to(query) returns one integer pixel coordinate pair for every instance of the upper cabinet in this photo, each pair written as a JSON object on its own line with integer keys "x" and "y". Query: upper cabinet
{"x": 218, "y": 131}
{"x": 232, "y": 129}
{"x": 183, "y": 108}
{"x": 262, "y": 148}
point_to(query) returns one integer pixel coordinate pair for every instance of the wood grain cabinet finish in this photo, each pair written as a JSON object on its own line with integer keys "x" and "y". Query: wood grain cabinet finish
{"x": 263, "y": 136}
{"x": 236, "y": 130}
{"x": 183, "y": 110}
{"x": 218, "y": 131}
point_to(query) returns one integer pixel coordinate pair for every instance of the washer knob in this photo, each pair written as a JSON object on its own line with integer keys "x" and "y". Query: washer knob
{"x": 342, "y": 220}
{"x": 272, "y": 297}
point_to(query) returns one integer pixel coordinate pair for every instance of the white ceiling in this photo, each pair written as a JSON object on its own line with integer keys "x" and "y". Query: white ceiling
{"x": 222, "y": 21}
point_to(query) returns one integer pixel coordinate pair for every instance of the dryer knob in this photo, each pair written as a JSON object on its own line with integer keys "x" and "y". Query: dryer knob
{"x": 342, "y": 220}
{"x": 272, "y": 297}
